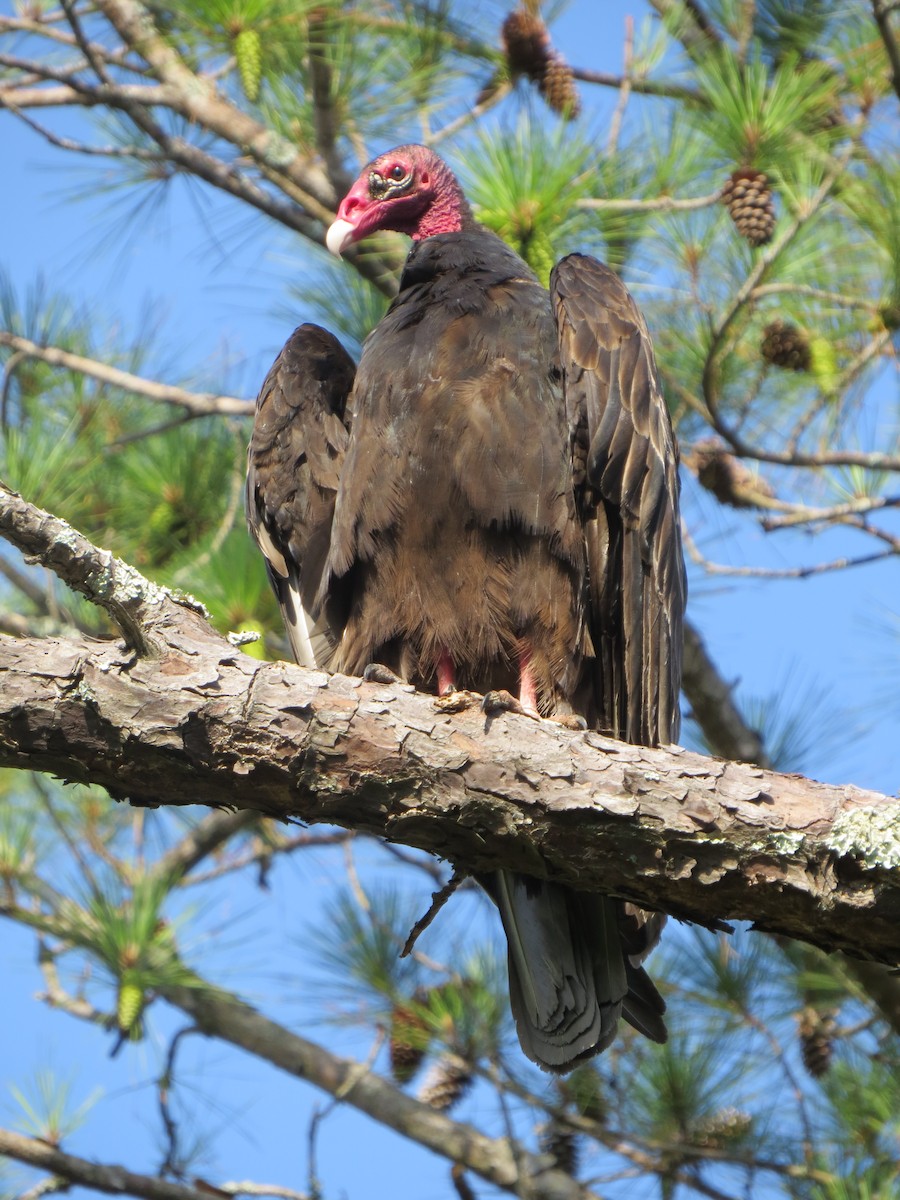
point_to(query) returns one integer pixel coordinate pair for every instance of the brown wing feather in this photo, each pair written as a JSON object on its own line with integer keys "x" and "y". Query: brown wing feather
{"x": 626, "y": 478}
{"x": 294, "y": 462}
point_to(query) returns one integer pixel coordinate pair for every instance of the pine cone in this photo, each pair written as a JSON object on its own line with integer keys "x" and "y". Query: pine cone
{"x": 748, "y": 198}
{"x": 726, "y": 476}
{"x": 557, "y": 86}
{"x": 526, "y": 43}
{"x": 786, "y": 346}
{"x": 409, "y": 1040}
{"x": 723, "y": 1128}
{"x": 248, "y": 55}
{"x": 447, "y": 1083}
{"x": 561, "y": 1143}
{"x": 816, "y": 1033}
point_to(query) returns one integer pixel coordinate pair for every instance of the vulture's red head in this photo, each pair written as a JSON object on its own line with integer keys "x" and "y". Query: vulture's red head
{"x": 408, "y": 190}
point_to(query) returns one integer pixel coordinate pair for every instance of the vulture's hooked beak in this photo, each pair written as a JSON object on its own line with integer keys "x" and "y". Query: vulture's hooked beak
{"x": 339, "y": 236}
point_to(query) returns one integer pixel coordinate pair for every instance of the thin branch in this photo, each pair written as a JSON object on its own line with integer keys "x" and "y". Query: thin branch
{"x": 438, "y": 900}
{"x": 213, "y": 831}
{"x": 221, "y": 1014}
{"x": 139, "y": 153}
{"x": 57, "y": 996}
{"x": 103, "y": 1177}
{"x": 615, "y": 124}
{"x": 660, "y": 204}
{"x": 301, "y": 841}
{"x": 646, "y": 87}
{"x": 807, "y": 516}
{"x": 198, "y": 404}
{"x": 843, "y": 563}
{"x": 839, "y": 299}
{"x": 503, "y": 89}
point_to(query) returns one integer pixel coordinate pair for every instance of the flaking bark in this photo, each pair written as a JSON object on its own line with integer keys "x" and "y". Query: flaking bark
{"x": 698, "y": 837}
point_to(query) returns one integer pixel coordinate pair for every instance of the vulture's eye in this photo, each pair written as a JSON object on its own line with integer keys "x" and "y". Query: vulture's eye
{"x": 397, "y": 173}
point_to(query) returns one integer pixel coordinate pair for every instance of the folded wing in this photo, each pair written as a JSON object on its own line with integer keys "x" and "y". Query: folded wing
{"x": 296, "y": 453}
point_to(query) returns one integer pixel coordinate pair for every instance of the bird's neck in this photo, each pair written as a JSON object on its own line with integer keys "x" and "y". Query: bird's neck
{"x": 449, "y": 211}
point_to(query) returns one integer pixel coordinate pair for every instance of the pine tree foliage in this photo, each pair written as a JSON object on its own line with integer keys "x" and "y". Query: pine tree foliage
{"x": 774, "y": 343}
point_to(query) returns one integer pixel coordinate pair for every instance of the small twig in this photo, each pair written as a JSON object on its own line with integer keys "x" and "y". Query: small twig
{"x": 438, "y": 900}
{"x": 478, "y": 110}
{"x": 105, "y": 1177}
{"x": 660, "y": 204}
{"x": 301, "y": 841}
{"x": 170, "y": 1164}
{"x": 57, "y": 997}
{"x": 645, "y": 87}
{"x": 615, "y": 124}
{"x": 806, "y": 516}
{"x": 461, "y": 1185}
{"x": 200, "y": 404}
{"x": 141, "y": 153}
{"x": 839, "y": 299}
{"x": 822, "y": 568}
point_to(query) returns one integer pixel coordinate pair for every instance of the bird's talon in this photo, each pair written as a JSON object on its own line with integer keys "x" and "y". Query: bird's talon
{"x": 503, "y": 701}
{"x": 570, "y": 721}
{"x": 378, "y": 673}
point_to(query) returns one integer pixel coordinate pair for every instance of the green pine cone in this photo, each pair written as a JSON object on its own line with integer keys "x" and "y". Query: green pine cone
{"x": 248, "y": 54}
{"x": 129, "y": 1005}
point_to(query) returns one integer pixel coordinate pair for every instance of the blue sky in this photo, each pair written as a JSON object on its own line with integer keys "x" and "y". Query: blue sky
{"x": 219, "y": 292}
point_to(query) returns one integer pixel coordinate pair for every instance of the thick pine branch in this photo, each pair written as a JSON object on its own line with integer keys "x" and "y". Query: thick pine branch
{"x": 183, "y": 717}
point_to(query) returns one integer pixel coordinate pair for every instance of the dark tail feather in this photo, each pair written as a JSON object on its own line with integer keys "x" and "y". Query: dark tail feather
{"x": 569, "y": 978}
{"x": 643, "y": 1007}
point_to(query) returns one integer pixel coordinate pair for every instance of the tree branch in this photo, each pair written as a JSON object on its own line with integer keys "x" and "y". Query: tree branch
{"x": 221, "y": 1014}
{"x": 695, "y": 837}
{"x": 103, "y": 1177}
{"x": 138, "y": 607}
{"x": 198, "y": 404}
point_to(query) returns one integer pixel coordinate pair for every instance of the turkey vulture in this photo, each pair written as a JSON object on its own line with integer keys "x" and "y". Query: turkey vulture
{"x": 489, "y": 501}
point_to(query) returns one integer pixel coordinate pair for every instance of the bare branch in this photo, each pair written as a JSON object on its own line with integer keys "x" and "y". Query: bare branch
{"x": 103, "y": 1177}
{"x": 705, "y": 839}
{"x": 659, "y": 204}
{"x": 843, "y": 563}
{"x": 135, "y": 604}
{"x": 807, "y": 516}
{"x": 198, "y": 404}
{"x": 221, "y": 1014}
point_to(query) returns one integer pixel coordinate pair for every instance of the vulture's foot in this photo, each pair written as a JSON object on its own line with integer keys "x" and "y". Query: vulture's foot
{"x": 457, "y": 701}
{"x": 378, "y": 673}
{"x": 502, "y": 701}
{"x": 570, "y": 721}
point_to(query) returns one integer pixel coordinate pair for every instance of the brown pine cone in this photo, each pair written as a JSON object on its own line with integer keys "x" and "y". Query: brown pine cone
{"x": 748, "y": 198}
{"x": 816, "y": 1033}
{"x": 447, "y": 1083}
{"x": 526, "y": 43}
{"x": 557, "y": 86}
{"x": 786, "y": 346}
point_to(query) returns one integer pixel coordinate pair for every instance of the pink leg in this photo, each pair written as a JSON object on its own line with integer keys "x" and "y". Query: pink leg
{"x": 527, "y": 683}
{"x": 446, "y": 674}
